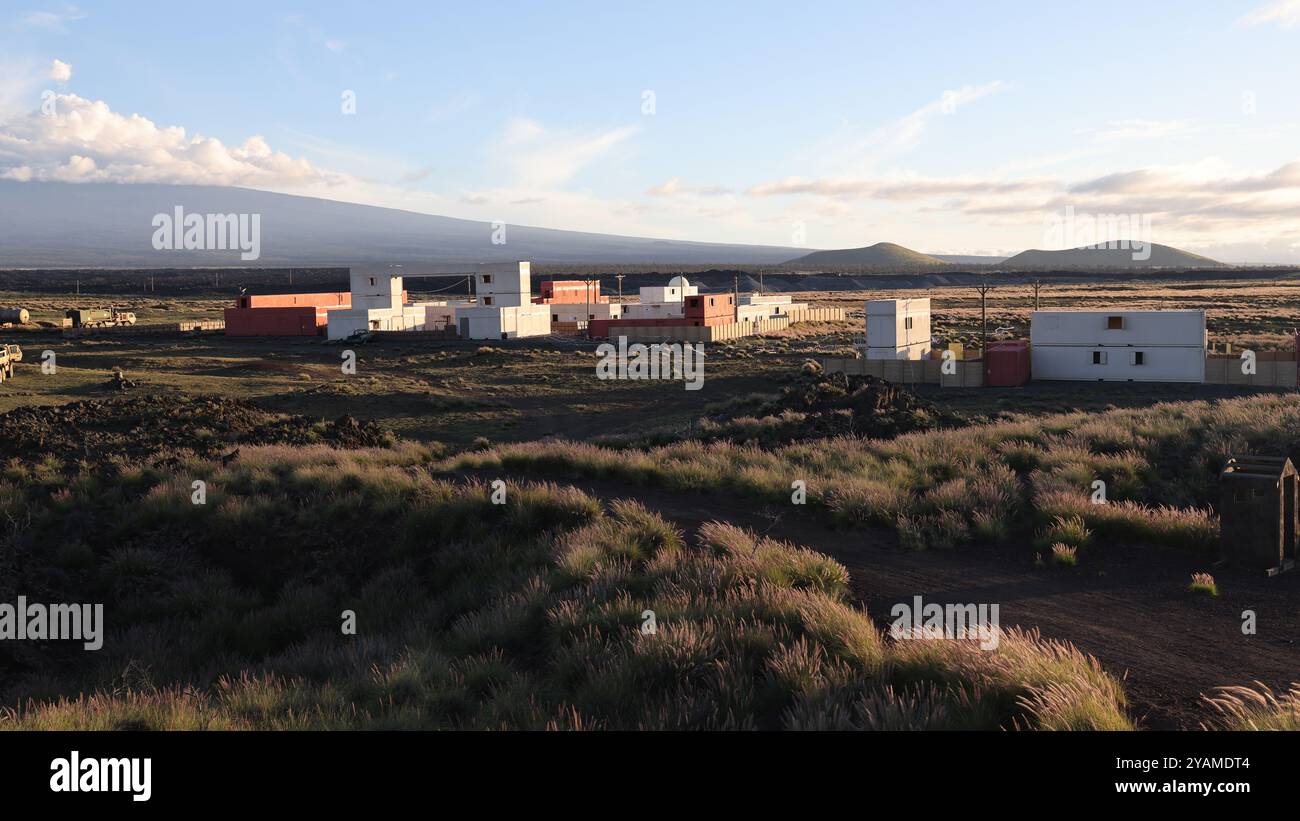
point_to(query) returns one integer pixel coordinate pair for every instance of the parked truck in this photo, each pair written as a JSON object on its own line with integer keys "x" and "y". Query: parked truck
{"x": 99, "y": 318}
{"x": 10, "y": 355}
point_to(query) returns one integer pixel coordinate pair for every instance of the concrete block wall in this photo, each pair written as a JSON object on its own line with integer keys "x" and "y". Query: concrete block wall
{"x": 968, "y": 374}
{"x": 1273, "y": 369}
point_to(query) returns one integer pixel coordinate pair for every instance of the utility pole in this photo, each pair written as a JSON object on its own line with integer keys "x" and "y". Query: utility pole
{"x": 984, "y": 289}
{"x": 760, "y": 280}
{"x": 588, "y": 311}
{"x": 1037, "y": 283}
{"x": 619, "y": 277}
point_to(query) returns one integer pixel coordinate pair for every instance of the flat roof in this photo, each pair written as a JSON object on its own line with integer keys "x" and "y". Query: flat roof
{"x": 1113, "y": 311}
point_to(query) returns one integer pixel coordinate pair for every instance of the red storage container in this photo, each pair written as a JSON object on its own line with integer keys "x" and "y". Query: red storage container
{"x": 302, "y": 321}
{"x": 605, "y": 327}
{"x": 1006, "y": 364}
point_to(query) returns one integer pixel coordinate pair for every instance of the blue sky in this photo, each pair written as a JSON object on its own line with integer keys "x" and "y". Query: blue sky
{"x": 945, "y": 126}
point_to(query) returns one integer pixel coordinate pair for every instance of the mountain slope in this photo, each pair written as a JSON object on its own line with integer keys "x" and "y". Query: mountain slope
{"x": 110, "y": 225}
{"x": 880, "y": 254}
{"x": 968, "y": 259}
{"x": 1098, "y": 256}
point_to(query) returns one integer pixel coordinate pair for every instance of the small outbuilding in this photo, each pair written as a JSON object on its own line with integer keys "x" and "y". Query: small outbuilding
{"x": 1259, "y": 517}
{"x": 1006, "y": 364}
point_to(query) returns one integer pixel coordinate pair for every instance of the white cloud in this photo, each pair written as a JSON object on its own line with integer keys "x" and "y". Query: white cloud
{"x": 85, "y": 141}
{"x": 1142, "y": 130}
{"x": 541, "y": 158}
{"x": 667, "y": 189}
{"x": 898, "y": 188}
{"x": 851, "y": 150}
{"x": 1285, "y": 13}
{"x": 60, "y": 72}
{"x": 906, "y": 132}
{"x": 674, "y": 188}
{"x": 52, "y": 20}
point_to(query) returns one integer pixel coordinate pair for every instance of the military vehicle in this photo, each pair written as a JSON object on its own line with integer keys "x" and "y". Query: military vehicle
{"x": 10, "y": 355}
{"x": 99, "y": 318}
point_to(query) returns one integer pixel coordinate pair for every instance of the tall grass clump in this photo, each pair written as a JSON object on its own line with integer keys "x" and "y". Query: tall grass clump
{"x": 1254, "y": 707}
{"x": 981, "y": 483}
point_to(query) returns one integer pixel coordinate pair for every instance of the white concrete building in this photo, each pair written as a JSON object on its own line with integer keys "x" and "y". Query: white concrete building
{"x": 503, "y": 322}
{"x": 376, "y": 306}
{"x": 750, "y": 307}
{"x": 764, "y": 299}
{"x": 439, "y": 316}
{"x": 503, "y": 308}
{"x": 653, "y": 310}
{"x": 582, "y": 311}
{"x": 898, "y": 328}
{"x": 661, "y": 301}
{"x": 677, "y": 289}
{"x": 1115, "y": 345}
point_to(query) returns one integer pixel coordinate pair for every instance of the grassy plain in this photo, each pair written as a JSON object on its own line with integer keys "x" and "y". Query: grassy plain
{"x": 529, "y": 615}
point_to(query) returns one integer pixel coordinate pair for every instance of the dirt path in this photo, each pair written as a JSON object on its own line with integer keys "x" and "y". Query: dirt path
{"x": 1128, "y": 606}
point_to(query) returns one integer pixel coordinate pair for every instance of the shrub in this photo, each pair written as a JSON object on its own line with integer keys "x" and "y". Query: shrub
{"x": 1065, "y": 530}
{"x": 1203, "y": 584}
{"x": 1064, "y": 555}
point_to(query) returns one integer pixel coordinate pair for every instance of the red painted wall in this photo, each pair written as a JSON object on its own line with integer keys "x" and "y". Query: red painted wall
{"x": 700, "y": 306}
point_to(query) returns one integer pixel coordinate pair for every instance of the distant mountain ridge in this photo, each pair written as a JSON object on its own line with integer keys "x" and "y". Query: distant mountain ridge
{"x": 108, "y": 225}
{"x": 969, "y": 259}
{"x": 1101, "y": 256}
{"x": 880, "y": 254}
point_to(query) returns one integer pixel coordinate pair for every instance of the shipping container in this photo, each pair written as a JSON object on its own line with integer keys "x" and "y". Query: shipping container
{"x": 1006, "y": 364}
{"x": 1119, "y": 345}
{"x": 301, "y": 321}
{"x": 898, "y": 328}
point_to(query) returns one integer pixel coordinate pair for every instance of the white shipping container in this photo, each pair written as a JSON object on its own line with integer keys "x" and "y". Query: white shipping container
{"x": 1116, "y": 345}
{"x": 898, "y": 328}
{"x": 1116, "y": 327}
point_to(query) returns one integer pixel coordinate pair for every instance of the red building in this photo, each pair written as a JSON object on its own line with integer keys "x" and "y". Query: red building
{"x": 710, "y": 309}
{"x": 283, "y": 314}
{"x": 570, "y": 292}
